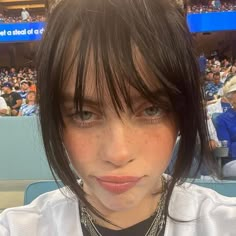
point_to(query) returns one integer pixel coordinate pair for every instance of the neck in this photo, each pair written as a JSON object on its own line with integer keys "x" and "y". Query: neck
{"x": 125, "y": 219}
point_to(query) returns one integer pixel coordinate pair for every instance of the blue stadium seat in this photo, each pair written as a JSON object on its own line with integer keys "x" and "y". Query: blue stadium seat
{"x": 35, "y": 189}
{"x": 227, "y": 188}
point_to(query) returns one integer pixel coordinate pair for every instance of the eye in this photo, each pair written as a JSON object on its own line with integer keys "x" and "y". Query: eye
{"x": 152, "y": 111}
{"x": 83, "y": 115}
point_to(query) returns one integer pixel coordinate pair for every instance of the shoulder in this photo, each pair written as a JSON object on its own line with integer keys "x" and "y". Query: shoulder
{"x": 229, "y": 114}
{"x": 48, "y": 213}
{"x": 222, "y": 116}
{"x": 4, "y": 95}
{"x": 15, "y": 94}
{"x": 2, "y": 100}
{"x": 194, "y": 210}
{"x": 200, "y": 201}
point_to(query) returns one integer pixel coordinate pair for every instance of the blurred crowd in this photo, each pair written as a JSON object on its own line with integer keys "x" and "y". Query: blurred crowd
{"x": 24, "y": 16}
{"x": 219, "y": 88}
{"x": 206, "y": 6}
{"x": 18, "y": 92}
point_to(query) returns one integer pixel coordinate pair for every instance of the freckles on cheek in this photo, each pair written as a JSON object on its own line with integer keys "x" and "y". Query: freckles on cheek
{"x": 161, "y": 143}
{"x": 81, "y": 147}
{"x": 76, "y": 146}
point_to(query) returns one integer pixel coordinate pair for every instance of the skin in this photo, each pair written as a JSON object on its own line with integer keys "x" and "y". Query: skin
{"x": 213, "y": 144}
{"x": 31, "y": 98}
{"x": 24, "y": 87}
{"x": 209, "y": 77}
{"x": 216, "y": 79}
{"x": 138, "y": 144}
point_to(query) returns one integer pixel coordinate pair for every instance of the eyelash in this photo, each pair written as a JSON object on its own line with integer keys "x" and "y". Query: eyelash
{"x": 83, "y": 123}
{"x": 152, "y": 119}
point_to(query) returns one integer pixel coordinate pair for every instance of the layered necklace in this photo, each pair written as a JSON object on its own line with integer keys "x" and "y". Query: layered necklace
{"x": 155, "y": 228}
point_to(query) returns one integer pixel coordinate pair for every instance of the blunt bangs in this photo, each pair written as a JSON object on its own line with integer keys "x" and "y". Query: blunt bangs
{"x": 113, "y": 54}
{"x": 131, "y": 44}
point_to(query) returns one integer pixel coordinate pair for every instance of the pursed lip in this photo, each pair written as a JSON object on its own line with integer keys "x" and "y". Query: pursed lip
{"x": 118, "y": 184}
{"x": 119, "y": 179}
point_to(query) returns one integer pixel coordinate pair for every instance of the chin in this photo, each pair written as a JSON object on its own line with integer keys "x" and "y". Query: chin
{"x": 118, "y": 206}
{"x": 120, "y": 202}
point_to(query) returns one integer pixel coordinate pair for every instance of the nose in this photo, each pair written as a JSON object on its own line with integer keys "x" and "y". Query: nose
{"x": 116, "y": 148}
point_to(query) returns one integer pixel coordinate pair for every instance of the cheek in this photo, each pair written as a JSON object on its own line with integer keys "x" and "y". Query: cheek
{"x": 158, "y": 145}
{"x": 82, "y": 148}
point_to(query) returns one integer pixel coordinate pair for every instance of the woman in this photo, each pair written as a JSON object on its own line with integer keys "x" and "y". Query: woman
{"x": 30, "y": 108}
{"x": 121, "y": 82}
{"x": 226, "y": 122}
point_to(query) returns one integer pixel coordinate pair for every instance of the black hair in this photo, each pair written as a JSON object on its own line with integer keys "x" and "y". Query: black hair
{"x": 108, "y": 31}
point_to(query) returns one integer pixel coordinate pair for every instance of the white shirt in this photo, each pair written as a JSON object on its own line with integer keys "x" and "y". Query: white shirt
{"x": 25, "y": 15}
{"x": 215, "y": 108}
{"x": 205, "y": 212}
{"x": 3, "y": 104}
{"x": 212, "y": 130}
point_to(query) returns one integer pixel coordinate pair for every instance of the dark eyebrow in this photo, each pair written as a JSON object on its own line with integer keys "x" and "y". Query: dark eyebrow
{"x": 68, "y": 98}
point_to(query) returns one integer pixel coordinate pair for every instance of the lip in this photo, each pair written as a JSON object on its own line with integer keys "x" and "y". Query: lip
{"x": 118, "y": 184}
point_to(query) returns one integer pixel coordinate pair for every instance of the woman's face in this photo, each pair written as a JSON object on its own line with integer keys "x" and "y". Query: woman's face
{"x": 31, "y": 97}
{"x": 120, "y": 160}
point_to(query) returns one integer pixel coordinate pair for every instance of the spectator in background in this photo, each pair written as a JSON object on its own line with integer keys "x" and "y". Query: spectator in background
{"x": 202, "y": 63}
{"x": 13, "y": 99}
{"x": 226, "y": 122}
{"x": 221, "y": 105}
{"x": 12, "y": 72}
{"x": 217, "y": 4}
{"x": 3, "y": 107}
{"x": 24, "y": 89}
{"x": 218, "y": 84}
{"x": 227, "y": 73}
{"x": 230, "y": 74}
{"x": 213, "y": 89}
{"x": 30, "y": 108}
{"x": 209, "y": 76}
{"x": 32, "y": 86}
{"x": 1, "y": 18}
{"x": 17, "y": 88}
{"x": 25, "y": 16}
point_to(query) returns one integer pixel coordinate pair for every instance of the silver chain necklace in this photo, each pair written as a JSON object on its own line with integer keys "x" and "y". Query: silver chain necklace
{"x": 154, "y": 230}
